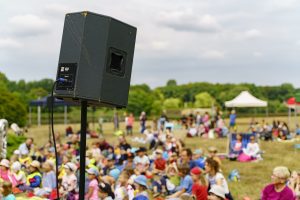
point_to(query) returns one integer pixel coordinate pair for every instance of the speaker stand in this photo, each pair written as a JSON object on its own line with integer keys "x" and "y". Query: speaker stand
{"x": 82, "y": 149}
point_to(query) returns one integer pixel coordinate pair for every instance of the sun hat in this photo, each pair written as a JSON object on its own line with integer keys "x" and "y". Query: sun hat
{"x": 196, "y": 171}
{"x": 50, "y": 163}
{"x": 198, "y": 151}
{"x": 110, "y": 157}
{"x": 217, "y": 190}
{"x": 141, "y": 180}
{"x": 5, "y": 163}
{"x": 115, "y": 173}
{"x": 71, "y": 166}
{"x": 93, "y": 171}
{"x": 35, "y": 164}
{"x": 16, "y": 166}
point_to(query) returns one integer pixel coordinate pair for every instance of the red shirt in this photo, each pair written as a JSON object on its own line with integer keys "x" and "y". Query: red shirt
{"x": 160, "y": 164}
{"x": 199, "y": 191}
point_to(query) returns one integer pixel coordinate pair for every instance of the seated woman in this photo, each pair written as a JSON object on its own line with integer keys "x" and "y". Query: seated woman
{"x": 236, "y": 147}
{"x": 278, "y": 188}
{"x": 252, "y": 151}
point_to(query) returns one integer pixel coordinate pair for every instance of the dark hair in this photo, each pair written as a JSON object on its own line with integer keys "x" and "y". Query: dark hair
{"x": 188, "y": 152}
{"x": 184, "y": 168}
{"x": 213, "y": 164}
{"x": 7, "y": 188}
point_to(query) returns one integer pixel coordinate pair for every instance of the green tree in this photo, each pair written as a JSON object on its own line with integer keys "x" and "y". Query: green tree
{"x": 11, "y": 108}
{"x": 139, "y": 101}
{"x": 172, "y": 103}
{"x": 204, "y": 100}
{"x": 172, "y": 82}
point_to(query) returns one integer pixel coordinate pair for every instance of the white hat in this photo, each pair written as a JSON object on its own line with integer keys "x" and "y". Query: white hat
{"x": 17, "y": 152}
{"x": 5, "y": 163}
{"x": 93, "y": 171}
{"x": 217, "y": 190}
{"x": 159, "y": 151}
{"x": 16, "y": 166}
{"x": 71, "y": 166}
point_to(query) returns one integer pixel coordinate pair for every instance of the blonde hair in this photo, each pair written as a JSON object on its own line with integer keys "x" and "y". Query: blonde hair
{"x": 282, "y": 172}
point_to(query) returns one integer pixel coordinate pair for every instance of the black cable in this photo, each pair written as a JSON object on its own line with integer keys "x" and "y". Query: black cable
{"x": 53, "y": 135}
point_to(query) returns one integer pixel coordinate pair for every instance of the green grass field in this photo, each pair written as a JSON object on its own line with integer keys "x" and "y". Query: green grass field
{"x": 254, "y": 176}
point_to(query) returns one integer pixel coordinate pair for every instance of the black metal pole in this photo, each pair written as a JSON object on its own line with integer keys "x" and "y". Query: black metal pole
{"x": 82, "y": 149}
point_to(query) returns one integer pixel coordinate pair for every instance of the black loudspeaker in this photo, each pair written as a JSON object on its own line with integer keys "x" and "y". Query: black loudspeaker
{"x": 95, "y": 60}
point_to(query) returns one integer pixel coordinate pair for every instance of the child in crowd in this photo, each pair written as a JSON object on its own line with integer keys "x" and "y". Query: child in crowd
{"x": 18, "y": 174}
{"x": 185, "y": 183}
{"x": 69, "y": 181}
{"x": 141, "y": 161}
{"x": 5, "y": 174}
{"x": 199, "y": 188}
{"x": 212, "y": 153}
{"x": 198, "y": 158}
{"x": 48, "y": 180}
{"x": 105, "y": 192}
{"x": 140, "y": 183}
{"x": 159, "y": 163}
{"x": 7, "y": 191}
{"x": 120, "y": 190}
{"x": 92, "y": 193}
{"x": 34, "y": 178}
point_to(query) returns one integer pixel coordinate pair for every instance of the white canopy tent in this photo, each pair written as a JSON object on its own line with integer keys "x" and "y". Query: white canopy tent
{"x": 245, "y": 99}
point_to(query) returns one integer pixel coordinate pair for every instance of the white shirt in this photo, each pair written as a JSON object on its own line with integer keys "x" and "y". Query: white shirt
{"x": 213, "y": 181}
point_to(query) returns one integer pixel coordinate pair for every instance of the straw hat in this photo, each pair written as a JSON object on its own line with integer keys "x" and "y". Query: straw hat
{"x": 35, "y": 164}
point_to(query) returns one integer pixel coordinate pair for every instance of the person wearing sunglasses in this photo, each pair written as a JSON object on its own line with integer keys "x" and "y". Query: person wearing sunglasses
{"x": 278, "y": 189}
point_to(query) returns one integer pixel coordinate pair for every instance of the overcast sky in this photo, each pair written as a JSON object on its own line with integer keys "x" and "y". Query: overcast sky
{"x": 256, "y": 41}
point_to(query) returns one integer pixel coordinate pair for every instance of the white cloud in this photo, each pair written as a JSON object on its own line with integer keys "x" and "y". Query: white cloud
{"x": 252, "y": 34}
{"x": 257, "y": 54}
{"x": 9, "y": 43}
{"x": 29, "y": 25}
{"x": 213, "y": 54}
{"x": 159, "y": 45}
{"x": 189, "y": 21}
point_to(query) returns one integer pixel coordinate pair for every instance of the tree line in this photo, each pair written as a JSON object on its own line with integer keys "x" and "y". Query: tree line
{"x": 16, "y": 95}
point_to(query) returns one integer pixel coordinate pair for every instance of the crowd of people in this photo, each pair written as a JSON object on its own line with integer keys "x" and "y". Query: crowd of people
{"x": 166, "y": 169}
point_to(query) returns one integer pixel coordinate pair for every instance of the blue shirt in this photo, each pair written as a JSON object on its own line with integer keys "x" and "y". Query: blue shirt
{"x": 200, "y": 162}
{"x": 232, "y": 118}
{"x": 186, "y": 183}
{"x": 10, "y": 197}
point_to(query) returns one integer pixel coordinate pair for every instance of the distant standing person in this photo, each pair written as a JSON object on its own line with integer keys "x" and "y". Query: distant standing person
{"x": 232, "y": 119}
{"x": 129, "y": 120}
{"x": 116, "y": 121}
{"x": 143, "y": 120}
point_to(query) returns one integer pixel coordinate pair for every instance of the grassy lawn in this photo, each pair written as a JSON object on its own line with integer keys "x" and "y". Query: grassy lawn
{"x": 254, "y": 176}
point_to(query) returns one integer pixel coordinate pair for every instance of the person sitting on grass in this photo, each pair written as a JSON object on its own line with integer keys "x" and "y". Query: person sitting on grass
{"x": 141, "y": 161}
{"x": 212, "y": 153}
{"x": 215, "y": 177}
{"x": 236, "y": 147}
{"x": 5, "y": 174}
{"x": 199, "y": 188}
{"x": 48, "y": 180}
{"x": 198, "y": 158}
{"x": 140, "y": 183}
{"x": 278, "y": 188}
{"x": 294, "y": 183}
{"x": 252, "y": 150}
{"x": 7, "y": 191}
{"x": 159, "y": 163}
{"x": 185, "y": 183}
{"x": 105, "y": 192}
{"x": 69, "y": 181}
{"x": 18, "y": 174}
{"x": 120, "y": 190}
{"x": 34, "y": 178}
{"x": 92, "y": 193}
